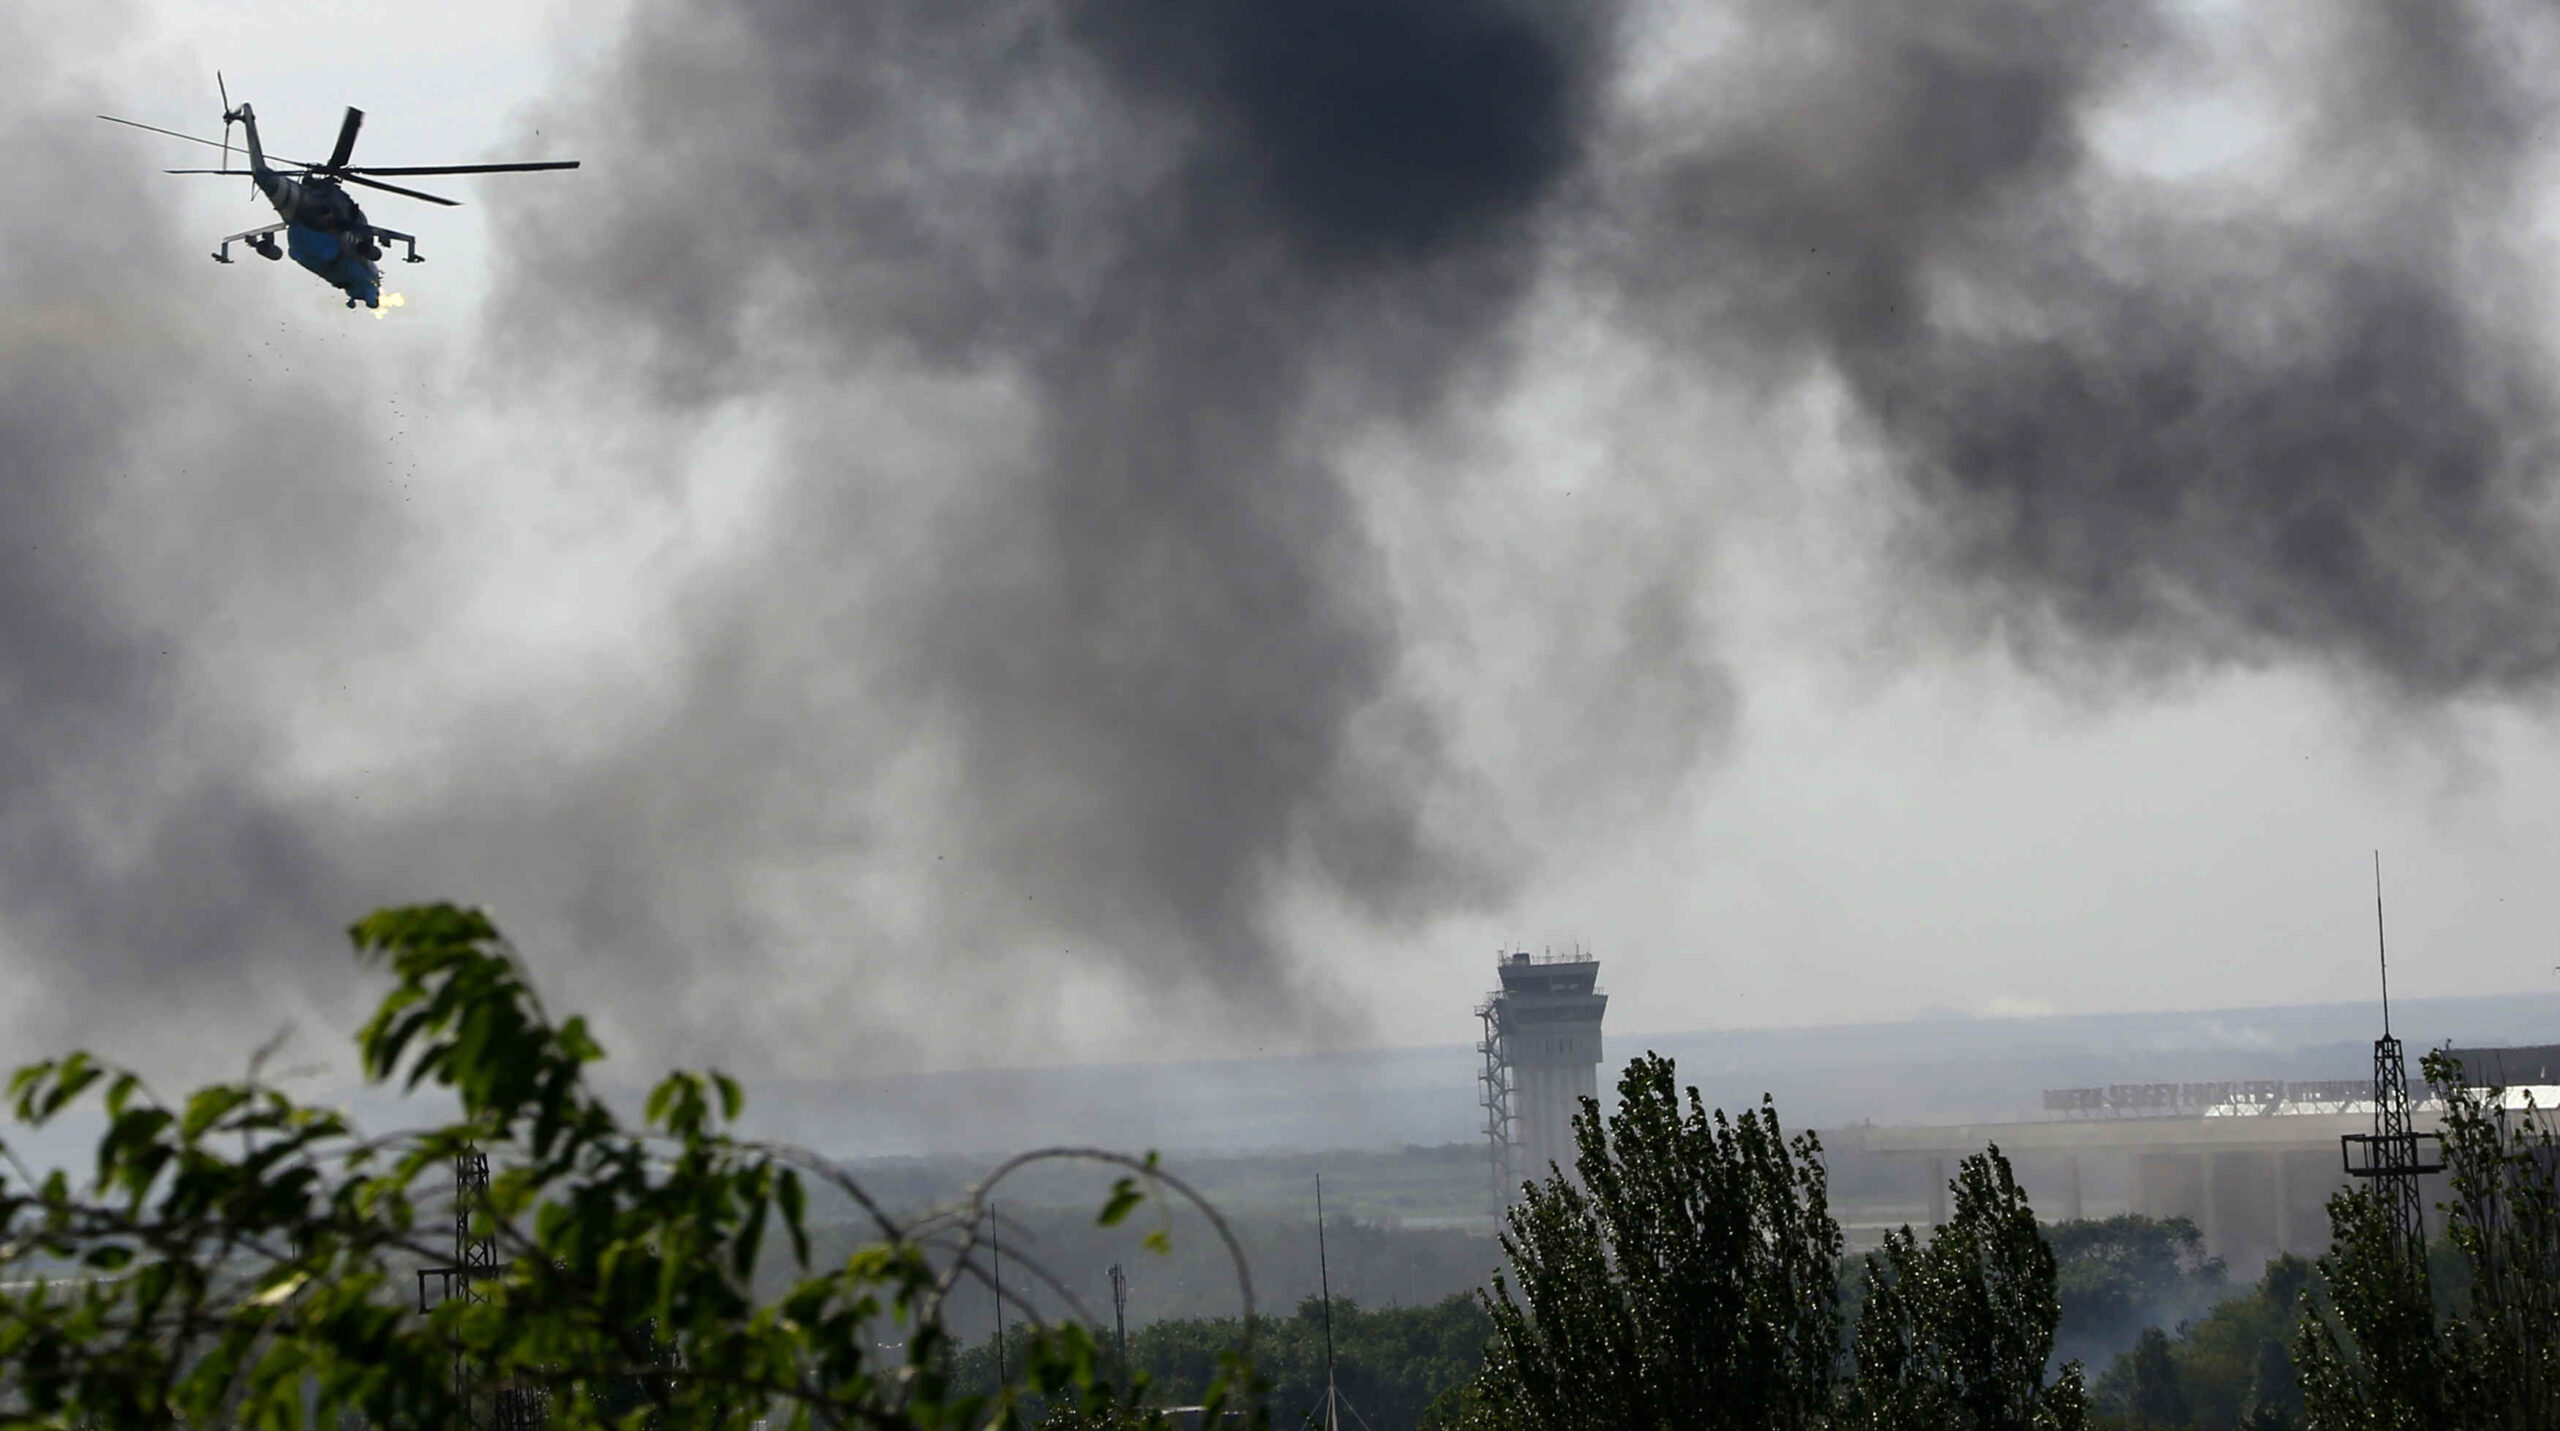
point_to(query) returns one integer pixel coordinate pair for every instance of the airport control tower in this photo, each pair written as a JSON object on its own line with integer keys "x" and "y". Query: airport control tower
{"x": 1541, "y": 1051}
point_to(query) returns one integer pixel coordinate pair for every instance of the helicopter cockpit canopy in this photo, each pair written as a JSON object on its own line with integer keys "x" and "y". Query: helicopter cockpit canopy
{"x": 327, "y": 208}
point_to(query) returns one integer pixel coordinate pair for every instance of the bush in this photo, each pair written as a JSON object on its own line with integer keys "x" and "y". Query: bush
{"x": 239, "y": 1259}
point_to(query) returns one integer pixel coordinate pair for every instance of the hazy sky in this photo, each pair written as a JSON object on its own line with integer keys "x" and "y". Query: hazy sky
{"x": 1002, "y": 532}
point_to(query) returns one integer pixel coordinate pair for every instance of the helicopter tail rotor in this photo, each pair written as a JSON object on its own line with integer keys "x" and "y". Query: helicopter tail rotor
{"x": 230, "y": 117}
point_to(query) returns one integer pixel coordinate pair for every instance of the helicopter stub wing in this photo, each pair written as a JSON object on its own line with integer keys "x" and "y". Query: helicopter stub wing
{"x": 379, "y": 234}
{"x": 223, "y": 253}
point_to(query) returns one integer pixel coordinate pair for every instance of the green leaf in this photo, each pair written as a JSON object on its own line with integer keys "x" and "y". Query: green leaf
{"x": 1125, "y": 1197}
{"x": 121, "y": 1092}
{"x": 208, "y": 1107}
{"x": 577, "y": 1043}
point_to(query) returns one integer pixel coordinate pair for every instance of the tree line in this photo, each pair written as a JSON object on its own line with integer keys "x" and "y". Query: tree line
{"x": 235, "y": 1258}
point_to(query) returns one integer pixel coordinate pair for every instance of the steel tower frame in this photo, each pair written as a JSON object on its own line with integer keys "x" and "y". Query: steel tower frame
{"x": 1502, "y": 1147}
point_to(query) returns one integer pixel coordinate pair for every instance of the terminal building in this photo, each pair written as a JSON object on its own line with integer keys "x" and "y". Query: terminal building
{"x": 1541, "y": 1051}
{"x": 2252, "y": 1164}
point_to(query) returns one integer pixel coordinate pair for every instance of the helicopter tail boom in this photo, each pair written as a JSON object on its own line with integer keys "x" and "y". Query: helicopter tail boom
{"x": 248, "y": 119}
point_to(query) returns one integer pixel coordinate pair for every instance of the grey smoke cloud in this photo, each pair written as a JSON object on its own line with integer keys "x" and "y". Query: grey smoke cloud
{"x": 1199, "y": 240}
{"x": 1205, "y": 245}
{"x": 1065, "y": 642}
{"x": 2146, "y": 416}
{"x": 155, "y": 498}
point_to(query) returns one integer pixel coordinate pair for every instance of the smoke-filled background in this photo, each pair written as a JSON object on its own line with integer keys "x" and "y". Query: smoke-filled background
{"x": 1008, "y": 533}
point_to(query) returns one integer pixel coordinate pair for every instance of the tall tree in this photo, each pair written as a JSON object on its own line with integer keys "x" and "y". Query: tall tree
{"x": 2379, "y": 1353}
{"x": 1684, "y": 1276}
{"x": 1956, "y": 1332}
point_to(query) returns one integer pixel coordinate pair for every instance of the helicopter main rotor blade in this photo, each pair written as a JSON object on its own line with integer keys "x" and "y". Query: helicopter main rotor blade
{"x": 280, "y": 160}
{"x": 346, "y": 138}
{"x": 396, "y": 189}
{"x": 235, "y": 173}
{"x": 462, "y": 168}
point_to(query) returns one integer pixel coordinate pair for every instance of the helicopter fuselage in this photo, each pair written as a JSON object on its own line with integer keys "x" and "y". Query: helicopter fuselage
{"x": 325, "y": 231}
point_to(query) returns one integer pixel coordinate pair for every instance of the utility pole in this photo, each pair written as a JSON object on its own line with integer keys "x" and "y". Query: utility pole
{"x": 1120, "y": 1321}
{"x": 995, "y": 1238}
{"x": 1324, "y": 1284}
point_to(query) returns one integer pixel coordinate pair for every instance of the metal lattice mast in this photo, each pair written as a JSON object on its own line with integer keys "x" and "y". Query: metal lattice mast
{"x": 475, "y": 1258}
{"x": 2392, "y": 1161}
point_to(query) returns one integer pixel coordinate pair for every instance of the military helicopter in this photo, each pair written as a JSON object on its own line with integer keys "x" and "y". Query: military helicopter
{"x": 323, "y": 228}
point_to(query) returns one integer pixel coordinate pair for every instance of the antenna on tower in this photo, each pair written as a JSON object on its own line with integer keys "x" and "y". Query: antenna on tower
{"x": 2381, "y": 946}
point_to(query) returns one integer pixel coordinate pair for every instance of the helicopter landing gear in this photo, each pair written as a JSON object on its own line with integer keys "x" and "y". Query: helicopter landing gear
{"x": 267, "y": 250}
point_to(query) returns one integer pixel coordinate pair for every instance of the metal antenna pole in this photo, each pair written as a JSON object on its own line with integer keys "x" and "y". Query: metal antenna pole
{"x": 1120, "y": 1320}
{"x": 2381, "y": 947}
{"x": 1324, "y": 1282}
{"x": 995, "y": 1238}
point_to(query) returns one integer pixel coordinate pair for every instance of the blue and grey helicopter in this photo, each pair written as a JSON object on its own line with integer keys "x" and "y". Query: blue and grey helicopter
{"x": 323, "y": 228}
